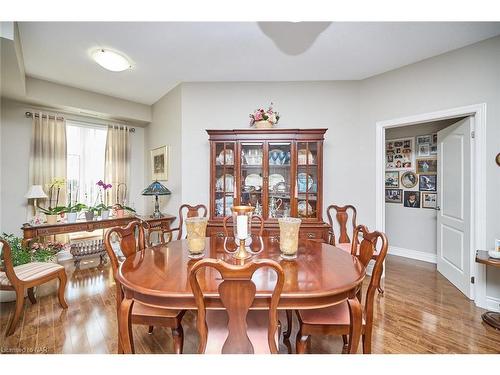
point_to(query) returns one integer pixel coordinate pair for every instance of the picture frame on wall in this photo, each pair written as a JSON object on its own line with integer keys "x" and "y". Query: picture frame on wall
{"x": 393, "y": 195}
{"x": 391, "y": 179}
{"x": 400, "y": 154}
{"x": 412, "y": 199}
{"x": 409, "y": 180}
{"x": 427, "y": 166}
{"x": 429, "y": 200}
{"x": 159, "y": 163}
{"x": 424, "y": 139}
{"x": 424, "y": 150}
{"x": 427, "y": 182}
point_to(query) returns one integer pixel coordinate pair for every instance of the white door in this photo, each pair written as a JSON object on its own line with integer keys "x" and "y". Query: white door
{"x": 454, "y": 204}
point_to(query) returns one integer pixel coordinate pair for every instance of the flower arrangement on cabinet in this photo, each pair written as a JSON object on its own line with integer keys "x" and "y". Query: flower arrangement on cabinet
{"x": 261, "y": 118}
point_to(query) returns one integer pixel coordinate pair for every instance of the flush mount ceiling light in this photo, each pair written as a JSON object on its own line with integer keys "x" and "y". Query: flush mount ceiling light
{"x": 111, "y": 60}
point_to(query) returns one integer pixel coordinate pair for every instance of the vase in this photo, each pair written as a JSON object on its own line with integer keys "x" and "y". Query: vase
{"x": 119, "y": 212}
{"x": 72, "y": 217}
{"x": 104, "y": 214}
{"x": 89, "y": 215}
{"x": 263, "y": 124}
{"x": 51, "y": 219}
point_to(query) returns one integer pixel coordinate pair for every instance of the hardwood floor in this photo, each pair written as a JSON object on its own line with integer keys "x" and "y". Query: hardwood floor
{"x": 421, "y": 312}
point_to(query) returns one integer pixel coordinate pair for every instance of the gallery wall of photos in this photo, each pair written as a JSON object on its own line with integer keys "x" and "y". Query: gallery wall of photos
{"x": 411, "y": 171}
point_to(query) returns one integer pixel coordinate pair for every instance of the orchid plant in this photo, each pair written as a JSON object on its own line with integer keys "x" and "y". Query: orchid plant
{"x": 264, "y": 115}
{"x": 103, "y": 187}
{"x": 54, "y": 189}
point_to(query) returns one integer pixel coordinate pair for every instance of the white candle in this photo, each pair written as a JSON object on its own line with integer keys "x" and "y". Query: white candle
{"x": 242, "y": 226}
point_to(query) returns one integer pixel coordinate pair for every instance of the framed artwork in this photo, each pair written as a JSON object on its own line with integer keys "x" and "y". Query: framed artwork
{"x": 427, "y": 166}
{"x": 400, "y": 154}
{"x": 392, "y": 179}
{"x": 393, "y": 195}
{"x": 424, "y": 139}
{"x": 427, "y": 182}
{"x": 412, "y": 199}
{"x": 429, "y": 200}
{"x": 424, "y": 150}
{"x": 409, "y": 180}
{"x": 159, "y": 163}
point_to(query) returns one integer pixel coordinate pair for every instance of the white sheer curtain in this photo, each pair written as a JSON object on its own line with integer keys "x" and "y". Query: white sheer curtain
{"x": 86, "y": 146}
{"x": 48, "y": 154}
{"x": 117, "y": 164}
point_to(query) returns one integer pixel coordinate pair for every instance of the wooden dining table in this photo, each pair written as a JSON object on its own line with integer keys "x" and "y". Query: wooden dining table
{"x": 322, "y": 275}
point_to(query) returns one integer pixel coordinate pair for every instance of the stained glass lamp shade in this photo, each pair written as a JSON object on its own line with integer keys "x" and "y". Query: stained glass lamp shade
{"x": 156, "y": 189}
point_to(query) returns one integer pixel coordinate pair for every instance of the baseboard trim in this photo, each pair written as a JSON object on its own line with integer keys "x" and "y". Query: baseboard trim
{"x": 413, "y": 254}
{"x": 493, "y": 304}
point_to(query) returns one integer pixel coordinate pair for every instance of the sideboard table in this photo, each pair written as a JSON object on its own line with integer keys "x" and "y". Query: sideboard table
{"x": 34, "y": 231}
{"x": 490, "y": 317}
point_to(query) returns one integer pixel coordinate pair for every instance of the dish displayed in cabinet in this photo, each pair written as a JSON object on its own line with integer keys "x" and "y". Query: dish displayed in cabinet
{"x": 275, "y": 179}
{"x": 304, "y": 157}
{"x": 252, "y": 156}
{"x": 219, "y": 185}
{"x": 279, "y": 157}
{"x": 305, "y": 182}
{"x": 228, "y": 153}
{"x": 254, "y": 180}
{"x": 301, "y": 208}
{"x": 219, "y": 206}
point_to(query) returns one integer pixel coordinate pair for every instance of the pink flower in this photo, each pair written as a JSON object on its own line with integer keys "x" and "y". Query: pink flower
{"x": 258, "y": 116}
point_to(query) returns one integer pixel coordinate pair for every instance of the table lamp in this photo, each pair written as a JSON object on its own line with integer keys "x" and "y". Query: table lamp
{"x": 156, "y": 189}
{"x": 35, "y": 192}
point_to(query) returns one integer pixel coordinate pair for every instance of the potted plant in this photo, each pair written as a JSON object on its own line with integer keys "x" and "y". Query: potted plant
{"x": 120, "y": 209}
{"x": 261, "y": 118}
{"x": 89, "y": 213}
{"x": 72, "y": 211}
{"x": 54, "y": 210}
{"x": 101, "y": 208}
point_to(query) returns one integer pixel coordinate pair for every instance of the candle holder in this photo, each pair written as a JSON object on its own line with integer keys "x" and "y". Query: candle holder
{"x": 242, "y": 224}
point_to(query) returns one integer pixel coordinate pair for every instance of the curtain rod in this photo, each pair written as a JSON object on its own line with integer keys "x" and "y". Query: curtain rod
{"x": 30, "y": 114}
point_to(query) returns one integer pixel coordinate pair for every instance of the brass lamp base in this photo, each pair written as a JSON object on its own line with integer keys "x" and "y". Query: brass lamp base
{"x": 242, "y": 252}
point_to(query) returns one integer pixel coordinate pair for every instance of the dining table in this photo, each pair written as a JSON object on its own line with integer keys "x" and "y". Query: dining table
{"x": 321, "y": 275}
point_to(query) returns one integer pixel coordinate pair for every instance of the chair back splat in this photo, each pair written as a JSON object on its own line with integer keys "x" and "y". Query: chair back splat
{"x": 237, "y": 292}
{"x": 342, "y": 217}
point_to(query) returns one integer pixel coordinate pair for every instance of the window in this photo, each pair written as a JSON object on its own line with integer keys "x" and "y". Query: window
{"x": 86, "y": 147}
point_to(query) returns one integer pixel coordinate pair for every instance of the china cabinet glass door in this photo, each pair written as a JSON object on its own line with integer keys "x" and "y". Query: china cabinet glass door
{"x": 251, "y": 175}
{"x": 279, "y": 180}
{"x": 225, "y": 183}
{"x": 306, "y": 193}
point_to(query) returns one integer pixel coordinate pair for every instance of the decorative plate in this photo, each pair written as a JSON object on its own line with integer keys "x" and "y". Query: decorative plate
{"x": 229, "y": 157}
{"x": 304, "y": 158}
{"x": 254, "y": 180}
{"x": 219, "y": 185}
{"x": 219, "y": 209}
{"x": 304, "y": 179}
{"x": 277, "y": 157}
{"x": 275, "y": 179}
{"x": 301, "y": 208}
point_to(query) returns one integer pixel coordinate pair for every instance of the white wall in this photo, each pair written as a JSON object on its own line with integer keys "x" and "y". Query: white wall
{"x": 470, "y": 75}
{"x": 413, "y": 228}
{"x": 165, "y": 129}
{"x": 15, "y": 137}
{"x": 332, "y": 105}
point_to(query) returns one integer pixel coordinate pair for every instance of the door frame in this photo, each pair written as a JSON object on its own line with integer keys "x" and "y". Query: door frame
{"x": 477, "y": 112}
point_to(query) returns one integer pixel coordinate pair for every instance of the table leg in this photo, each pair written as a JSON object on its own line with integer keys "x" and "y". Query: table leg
{"x": 125, "y": 326}
{"x": 355, "y": 314}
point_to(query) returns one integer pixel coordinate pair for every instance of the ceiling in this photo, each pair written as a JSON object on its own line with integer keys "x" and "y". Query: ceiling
{"x": 167, "y": 53}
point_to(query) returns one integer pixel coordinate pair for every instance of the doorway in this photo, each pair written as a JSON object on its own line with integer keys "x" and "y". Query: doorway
{"x": 456, "y": 265}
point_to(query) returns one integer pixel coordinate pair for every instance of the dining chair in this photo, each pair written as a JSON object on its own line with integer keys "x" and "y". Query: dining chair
{"x": 24, "y": 278}
{"x": 342, "y": 217}
{"x": 335, "y": 320}
{"x": 236, "y": 330}
{"x": 132, "y": 239}
{"x": 165, "y": 234}
{"x": 344, "y": 242}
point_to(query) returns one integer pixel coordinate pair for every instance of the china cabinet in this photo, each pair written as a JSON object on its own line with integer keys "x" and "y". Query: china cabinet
{"x": 277, "y": 171}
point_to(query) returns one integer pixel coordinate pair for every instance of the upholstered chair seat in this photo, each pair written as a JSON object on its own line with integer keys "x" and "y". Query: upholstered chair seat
{"x": 333, "y": 315}
{"x": 31, "y": 271}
